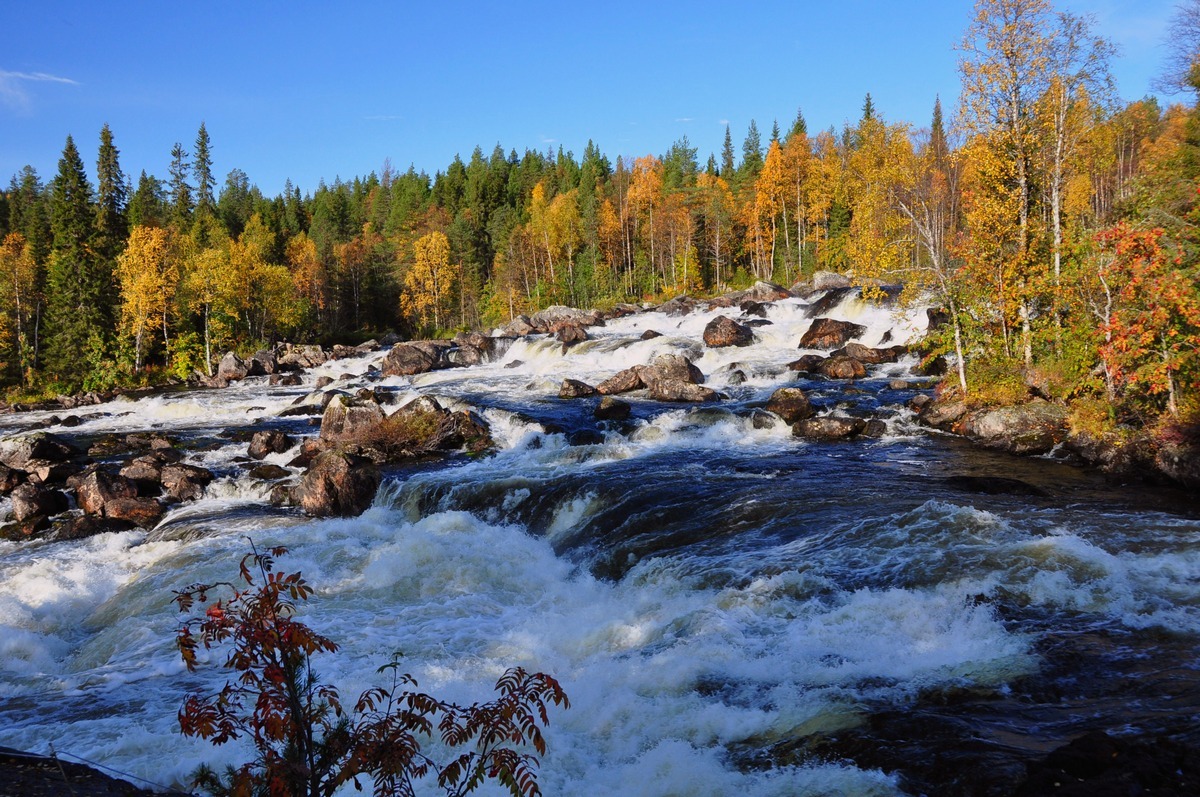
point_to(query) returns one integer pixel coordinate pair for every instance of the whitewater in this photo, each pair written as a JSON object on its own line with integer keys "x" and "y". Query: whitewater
{"x": 723, "y": 602}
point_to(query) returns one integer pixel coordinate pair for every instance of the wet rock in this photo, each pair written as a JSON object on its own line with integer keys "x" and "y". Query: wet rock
{"x": 569, "y": 334}
{"x": 920, "y": 401}
{"x": 790, "y": 404}
{"x": 142, "y": 512}
{"x": 264, "y": 363}
{"x": 518, "y": 327}
{"x": 18, "y": 452}
{"x": 841, "y": 368}
{"x": 271, "y": 441}
{"x": 622, "y": 382}
{"x": 722, "y": 331}
{"x": 1098, "y": 765}
{"x": 80, "y": 527}
{"x": 556, "y": 316}
{"x": 875, "y": 428}
{"x": 759, "y": 309}
{"x": 10, "y": 478}
{"x": 95, "y": 488}
{"x": 293, "y": 358}
{"x": 736, "y": 377}
{"x": 573, "y": 388}
{"x": 674, "y": 390}
{"x": 24, "y": 530}
{"x": 900, "y": 384}
{"x": 337, "y": 484}
{"x": 269, "y": 472}
{"x": 943, "y": 415}
{"x": 585, "y": 437}
{"x": 806, "y": 364}
{"x": 680, "y": 305}
{"x": 829, "y": 427}
{"x": 932, "y": 366}
{"x": 285, "y": 380}
{"x": 650, "y": 334}
{"x": 323, "y": 381}
{"x": 1032, "y": 428}
{"x": 760, "y": 419}
{"x": 44, "y": 472}
{"x": 347, "y": 417}
{"x": 1179, "y": 460}
{"x": 828, "y": 333}
{"x": 231, "y": 368}
{"x": 31, "y": 499}
{"x": 146, "y": 474}
{"x": 763, "y": 291}
{"x": 184, "y": 482}
{"x": 670, "y": 368}
{"x": 417, "y": 357}
{"x": 611, "y": 409}
{"x": 866, "y": 354}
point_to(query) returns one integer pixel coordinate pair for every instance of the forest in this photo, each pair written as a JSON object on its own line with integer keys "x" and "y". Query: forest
{"x": 1054, "y": 224}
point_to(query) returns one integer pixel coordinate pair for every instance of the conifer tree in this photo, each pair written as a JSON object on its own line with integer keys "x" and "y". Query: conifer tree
{"x": 181, "y": 191}
{"x": 202, "y": 171}
{"x": 800, "y": 126}
{"x": 727, "y": 165}
{"x": 147, "y": 205}
{"x": 76, "y": 289}
{"x": 752, "y": 157}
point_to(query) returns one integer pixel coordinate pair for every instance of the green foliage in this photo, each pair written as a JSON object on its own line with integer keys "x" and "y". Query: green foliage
{"x": 306, "y": 741}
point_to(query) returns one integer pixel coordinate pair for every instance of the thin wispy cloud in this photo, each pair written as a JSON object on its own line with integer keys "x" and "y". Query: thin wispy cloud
{"x": 724, "y": 122}
{"x": 13, "y": 92}
{"x": 684, "y": 119}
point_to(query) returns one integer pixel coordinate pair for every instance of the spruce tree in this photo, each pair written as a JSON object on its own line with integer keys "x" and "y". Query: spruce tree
{"x": 799, "y": 127}
{"x": 727, "y": 166}
{"x": 775, "y": 131}
{"x": 181, "y": 191}
{"x": 868, "y": 108}
{"x": 937, "y": 135}
{"x": 111, "y": 195}
{"x": 202, "y": 171}
{"x": 147, "y": 206}
{"x": 752, "y": 157}
{"x": 76, "y": 288}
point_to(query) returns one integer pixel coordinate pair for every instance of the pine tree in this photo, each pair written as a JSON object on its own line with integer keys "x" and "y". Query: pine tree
{"x": 727, "y": 166}
{"x": 202, "y": 171}
{"x": 76, "y": 287}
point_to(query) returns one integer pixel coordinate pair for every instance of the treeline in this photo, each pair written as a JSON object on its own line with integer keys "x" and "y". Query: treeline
{"x": 1057, "y": 227}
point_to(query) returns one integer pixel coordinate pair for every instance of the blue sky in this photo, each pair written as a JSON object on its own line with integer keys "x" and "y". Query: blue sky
{"x": 308, "y": 91}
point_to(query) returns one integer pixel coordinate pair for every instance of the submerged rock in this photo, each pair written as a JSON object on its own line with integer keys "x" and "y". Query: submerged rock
{"x": 611, "y": 409}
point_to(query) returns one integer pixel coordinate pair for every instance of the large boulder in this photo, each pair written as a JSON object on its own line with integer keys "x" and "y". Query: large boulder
{"x": 820, "y": 281}
{"x": 417, "y": 357}
{"x": 10, "y": 479}
{"x": 337, "y": 484}
{"x": 807, "y": 363}
{"x": 790, "y": 404}
{"x": 346, "y": 417}
{"x": 829, "y": 333}
{"x": 941, "y": 415}
{"x": 722, "y": 331}
{"x": 18, "y": 452}
{"x": 1033, "y": 428}
{"x": 1180, "y": 461}
{"x": 622, "y": 382}
{"x": 95, "y": 488}
{"x": 829, "y": 427}
{"x": 674, "y": 390}
{"x": 142, "y": 512}
{"x": 555, "y": 316}
{"x": 865, "y": 354}
{"x": 680, "y": 305}
{"x": 611, "y": 409}
{"x": 518, "y": 327}
{"x": 30, "y": 500}
{"x": 672, "y": 377}
{"x": 569, "y": 333}
{"x": 841, "y": 368}
{"x": 763, "y": 291}
{"x": 573, "y": 388}
{"x": 184, "y": 482}
{"x": 231, "y": 368}
{"x": 270, "y": 441}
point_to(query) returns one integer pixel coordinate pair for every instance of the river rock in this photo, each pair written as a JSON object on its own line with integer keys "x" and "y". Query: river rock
{"x": 569, "y": 333}
{"x": 611, "y": 409}
{"x": 573, "y": 388}
{"x": 284, "y": 380}
{"x": 264, "y": 362}
{"x": 670, "y": 367}
{"x": 680, "y": 305}
{"x": 142, "y": 512}
{"x": 806, "y": 364}
{"x": 841, "y": 368}
{"x": 417, "y": 357}
{"x": 18, "y": 452}
{"x": 1179, "y": 460}
{"x": 337, "y": 484}
{"x": 943, "y": 415}
{"x": 722, "y": 331}
{"x": 1032, "y": 428}
{"x": 791, "y": 404}
{"x": 556, "y": 316}
{"x": 518, "y": 327}
{"x": 622, "y": 382}
{"x": 231, "y": 368}
{"x": 146, "y": 474}
{"x": 829, "y": 333}
{"x": 95, "y": 487}
{"x": 865, "y": 354}
{"x": 23, "y": 530}
{"x": 184, "y": 482}
{"x": 10, "y": 478}
{"x": 295, "y": 358}
{"x": 829, "y": 427}
{"x": 347, "y": 417}
{"x": 271, "y": 441}
{"x": 269, "y": 472}
{"x": 650, "y": 334}
{"x": 674, "y": 390}
{"x": 29, "y": 500}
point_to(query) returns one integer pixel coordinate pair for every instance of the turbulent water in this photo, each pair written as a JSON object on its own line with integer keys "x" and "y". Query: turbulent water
{"x": 730, "y": 609}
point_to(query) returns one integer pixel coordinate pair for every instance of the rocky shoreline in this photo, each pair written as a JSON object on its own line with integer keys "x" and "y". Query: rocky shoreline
{"x": 60, "y": 489}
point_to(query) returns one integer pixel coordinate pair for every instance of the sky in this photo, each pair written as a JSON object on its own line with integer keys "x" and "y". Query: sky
{"x": 309, "y": 91}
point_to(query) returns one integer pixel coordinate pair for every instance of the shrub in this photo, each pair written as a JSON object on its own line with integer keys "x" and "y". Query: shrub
{"x": 305, "y": 741}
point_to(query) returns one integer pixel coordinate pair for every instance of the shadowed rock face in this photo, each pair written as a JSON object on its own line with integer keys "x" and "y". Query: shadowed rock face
{"x": 1033, "y": 428}
{"x": 337, "y": 484}
{"x": 722, "y": 331}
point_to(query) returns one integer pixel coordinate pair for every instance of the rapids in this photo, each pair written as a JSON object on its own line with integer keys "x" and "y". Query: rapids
{"x": 730, "y": 609}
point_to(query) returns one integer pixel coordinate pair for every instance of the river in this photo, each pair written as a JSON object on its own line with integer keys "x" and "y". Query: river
{"x": 730, "y": 609}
